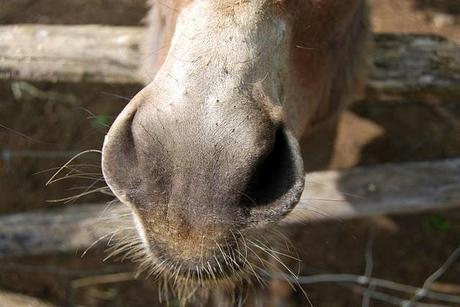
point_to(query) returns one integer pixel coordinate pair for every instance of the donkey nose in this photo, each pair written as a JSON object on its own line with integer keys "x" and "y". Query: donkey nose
{"x": 144, "y": 165}
{"x": 277, "y": 181}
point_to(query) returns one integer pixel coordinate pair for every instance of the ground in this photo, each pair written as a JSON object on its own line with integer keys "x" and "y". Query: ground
{"x": 65, "y": 118}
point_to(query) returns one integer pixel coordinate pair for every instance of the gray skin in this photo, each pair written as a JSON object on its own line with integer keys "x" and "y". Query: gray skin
{"x": 241, "y": 98}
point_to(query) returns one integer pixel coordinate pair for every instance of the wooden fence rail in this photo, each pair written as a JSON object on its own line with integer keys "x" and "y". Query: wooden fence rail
{"x": 336, "y": 195}
{"x": 415, "y": 67}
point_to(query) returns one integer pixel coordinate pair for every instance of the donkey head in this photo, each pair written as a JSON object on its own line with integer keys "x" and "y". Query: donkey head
{"x": 208, "y": 150}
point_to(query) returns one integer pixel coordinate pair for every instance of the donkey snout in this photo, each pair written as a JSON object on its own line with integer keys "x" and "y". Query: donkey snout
{"x": 194, "y": 180}
{"x": 256, "y": 176}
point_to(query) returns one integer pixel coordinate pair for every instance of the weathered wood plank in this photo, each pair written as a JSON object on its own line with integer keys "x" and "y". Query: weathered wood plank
{"x": 360, "y": 192}
{"x": 69, "y": 53}
{"x": 407, "y": 66}
{"x": 415, "y": 67}
{"x": 384, "y": 189}
{"x": 69, "y": 229}
{"x": 8, "y": 299}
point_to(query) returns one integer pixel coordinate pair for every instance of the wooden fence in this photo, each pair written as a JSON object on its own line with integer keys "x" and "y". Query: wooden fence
{"x": 407, "y": 67}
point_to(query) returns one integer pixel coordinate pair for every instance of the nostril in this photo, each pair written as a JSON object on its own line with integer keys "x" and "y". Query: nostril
{"x": 135, "y": 165}
{"x": 277, "y": 180}
{"x": 119, "y": 158}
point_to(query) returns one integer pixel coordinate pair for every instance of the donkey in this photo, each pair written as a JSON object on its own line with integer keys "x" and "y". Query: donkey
{"x": 241, "y": 98}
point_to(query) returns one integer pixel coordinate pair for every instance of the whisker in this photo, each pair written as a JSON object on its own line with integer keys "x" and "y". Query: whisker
{"x": 66, "y": 200}
{"x": 73, "y": 165}
{"x": 71, "y": 160}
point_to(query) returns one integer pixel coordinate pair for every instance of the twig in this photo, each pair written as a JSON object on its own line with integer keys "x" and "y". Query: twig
{"x": 393, "y": 300}
{"x": 57, "y": 270}
{"x": 421, "y": 293}
{"x": 378, "y": 282}
{"x": 103, "y": 279}
{"x": 369, "y": 267}
{"x": 446, "y": 287}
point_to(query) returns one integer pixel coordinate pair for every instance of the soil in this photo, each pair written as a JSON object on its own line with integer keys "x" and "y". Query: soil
{"x": 46, "y": 119}
{"x": 440, "y": 17}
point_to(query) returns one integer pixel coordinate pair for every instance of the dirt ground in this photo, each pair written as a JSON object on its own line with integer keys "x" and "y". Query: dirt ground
{"x": 417, "y": 16}
{"x": 47, "y": 123}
